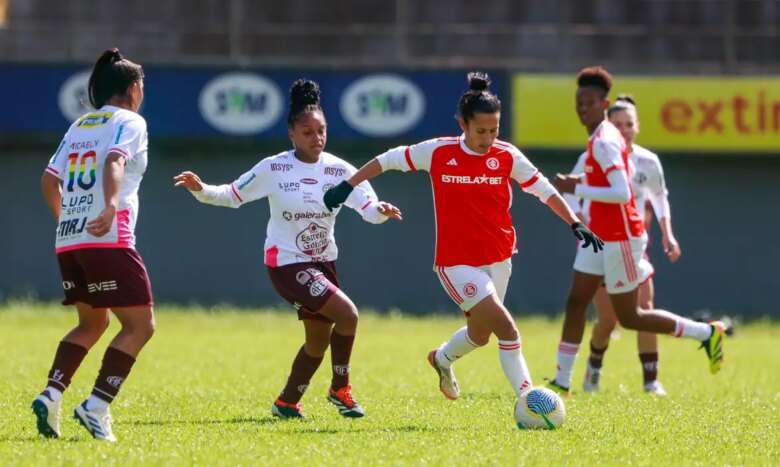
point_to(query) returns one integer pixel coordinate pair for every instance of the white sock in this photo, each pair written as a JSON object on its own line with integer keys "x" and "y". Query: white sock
{"x": 567, "y": 354}
{"x": 54, "y": 393}
{"x": 693, "y": 329}
{"x": 513, "y": 363}
{"x": 96, "y": 404}
{"x": 458, "y": 346}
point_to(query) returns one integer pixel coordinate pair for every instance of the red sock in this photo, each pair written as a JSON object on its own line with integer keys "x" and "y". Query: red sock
{"x": 340, "y": 353}
{"x": 303, "y": 369}
{"x": 66, "y": 361}
{"x": 116, "y": 366}
{"x": 649, "y": 366}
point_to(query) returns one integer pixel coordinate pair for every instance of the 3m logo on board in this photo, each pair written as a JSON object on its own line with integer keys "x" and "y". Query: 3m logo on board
{"x": 241, "y": 103}
{"x": 382, "y": 105}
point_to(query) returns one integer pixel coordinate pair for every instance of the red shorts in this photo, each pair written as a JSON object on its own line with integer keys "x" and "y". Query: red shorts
{"x": 105, "y": 277}
{"x": 307, "y": 286}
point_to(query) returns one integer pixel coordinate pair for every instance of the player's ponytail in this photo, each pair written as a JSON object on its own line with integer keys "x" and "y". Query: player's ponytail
{"x": 304, "y": 97}
{"x": 111, "y": 76}
{"x": 623, "y": 102}
{"x": 478, "y": 98}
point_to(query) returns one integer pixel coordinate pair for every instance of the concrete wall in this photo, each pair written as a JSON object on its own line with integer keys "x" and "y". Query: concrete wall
{"x": 724, "y": 210}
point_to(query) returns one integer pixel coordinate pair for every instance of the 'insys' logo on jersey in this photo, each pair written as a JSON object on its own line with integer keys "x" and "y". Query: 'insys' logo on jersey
{"x": 94, "y": 119}
{"x": 382, "y": 105}
{"x": 313, "y": 240}
{"x": 241, "y": 103}
{"x": 73, "y": 99}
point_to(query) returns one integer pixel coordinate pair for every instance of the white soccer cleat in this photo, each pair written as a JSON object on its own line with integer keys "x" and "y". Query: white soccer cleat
{"x": 448, "y": 385}
{"x": 655, "y": 388}
{"x": 97, "y": 423}
{"x": 47, "y": 413}
{"x": 592, "y": 377}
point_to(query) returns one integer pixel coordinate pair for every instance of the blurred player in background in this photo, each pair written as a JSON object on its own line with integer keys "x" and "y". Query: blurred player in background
{"x": 612, "y": 214}
{"x": 300, "y": 247}
{"x": 471, "y": 177}
{"x": 649, "y": 188}
{"x": 91, "y": 186}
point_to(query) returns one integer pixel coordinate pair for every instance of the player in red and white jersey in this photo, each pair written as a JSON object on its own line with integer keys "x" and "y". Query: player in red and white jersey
{"x": 472, "y": 177}
{"x": 612, "y": 215}
{"x": 300, "y": 248}
{"x": 649, "y": 188}
{"x": 91, "y": 186}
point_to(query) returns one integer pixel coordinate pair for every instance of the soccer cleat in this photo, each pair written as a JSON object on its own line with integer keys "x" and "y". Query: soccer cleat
{"x": 47, "y": 413}
{"x": 562, "y": 391}
{"x": 655, "y": 388}
{"x": 714, "y": 346}
{"x": 97, "y": 423}
{"x": 286, "y": 410}
{"x": 592, "y": 376}
{"x": 342, "y": 399}
{"x": 448, "y": 385}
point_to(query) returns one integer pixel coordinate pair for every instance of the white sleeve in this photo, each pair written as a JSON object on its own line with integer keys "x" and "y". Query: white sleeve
{"x": 364, "y": 201}
{"x": 659, "y": 195}
{"x": 129, "y": 138}
{"x": 607, "y": 153}
{"x": 617, "y": 192}
{"x": 574, "y": 202}
{"x": 528, "y": 176}
{"x": 250, "y": 186}
{"x": 58, "y": 163}
{"x": 409, "y": 158}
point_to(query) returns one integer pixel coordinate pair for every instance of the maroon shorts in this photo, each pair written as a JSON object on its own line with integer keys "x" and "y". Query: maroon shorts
{"x": 105, "y": 277}
{"x": 307, "y": 286}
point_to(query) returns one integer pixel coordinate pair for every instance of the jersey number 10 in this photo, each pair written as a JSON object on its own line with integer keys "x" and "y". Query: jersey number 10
{"x": 76, "y": 164}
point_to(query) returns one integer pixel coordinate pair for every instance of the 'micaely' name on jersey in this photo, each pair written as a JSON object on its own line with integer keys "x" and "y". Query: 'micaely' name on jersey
{"x": 301, "y": 228}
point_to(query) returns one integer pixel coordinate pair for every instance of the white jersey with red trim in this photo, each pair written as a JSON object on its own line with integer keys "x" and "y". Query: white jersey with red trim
{"x": 648, "y": 182}
{"x": 301, "y": 229}
{"x": 472, "y": 195}
{"x": 79, "y": 163}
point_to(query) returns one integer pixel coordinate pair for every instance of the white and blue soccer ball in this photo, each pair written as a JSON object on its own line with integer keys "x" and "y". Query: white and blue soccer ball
{"x": 539, "y": 408}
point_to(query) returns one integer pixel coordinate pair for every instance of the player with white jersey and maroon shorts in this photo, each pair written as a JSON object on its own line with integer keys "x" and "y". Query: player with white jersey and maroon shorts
{"x": 649, "y": 188}
{"x": 300, "y": 247}
{"x": 612, "y": 215}
{"x": 91, "y": 186}
{"x": 472, "y": 177}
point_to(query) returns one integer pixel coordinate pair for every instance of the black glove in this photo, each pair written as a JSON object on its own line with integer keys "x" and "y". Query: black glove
{"x": 588, "y": 238}
{"x": 337, "y": 195}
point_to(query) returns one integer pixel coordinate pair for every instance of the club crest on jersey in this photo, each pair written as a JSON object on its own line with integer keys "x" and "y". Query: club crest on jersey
{"x": 469, "y": 290}
{"x": 318, "y": 287}
{"x": 492, "y": 163}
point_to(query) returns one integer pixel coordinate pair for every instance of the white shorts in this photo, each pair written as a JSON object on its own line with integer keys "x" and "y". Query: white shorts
{"x": 469, "y": 285}
{"x": 621, "y": 263}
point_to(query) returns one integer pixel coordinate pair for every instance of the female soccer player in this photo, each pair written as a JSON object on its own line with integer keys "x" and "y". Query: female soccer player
{"x": 649, "y": 188}
{"x": 471, "y": 177}
{"x": 91, "y": 186}
{"x": 613, "y": 216}
{"x": 300, "y": 248}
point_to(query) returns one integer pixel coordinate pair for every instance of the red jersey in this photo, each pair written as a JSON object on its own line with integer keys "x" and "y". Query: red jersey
{"x": 472, "y": 195}
{"x": 607, "y": 151}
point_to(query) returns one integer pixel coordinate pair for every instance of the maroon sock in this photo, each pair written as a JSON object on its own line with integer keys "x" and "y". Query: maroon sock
{"x": 303, "y": 369}
{"x": 113, "y": 372}
{"x": 66, "y": 361}
{"x": 596, "y": 356}
{"x": 340, "y": 353}
{"x": 649, "y": 366}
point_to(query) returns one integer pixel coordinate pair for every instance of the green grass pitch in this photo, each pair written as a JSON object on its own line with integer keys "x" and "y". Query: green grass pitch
{"x": 202, "y": 389}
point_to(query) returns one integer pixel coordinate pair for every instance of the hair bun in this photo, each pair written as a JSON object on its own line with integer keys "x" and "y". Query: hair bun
{"x": 304, "y": 92}
{"x": 626, "y": 98}
{"x": 478, "y": 81}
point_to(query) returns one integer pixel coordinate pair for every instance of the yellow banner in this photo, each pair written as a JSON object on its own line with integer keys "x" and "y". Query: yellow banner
{"x": 675, "y": 113}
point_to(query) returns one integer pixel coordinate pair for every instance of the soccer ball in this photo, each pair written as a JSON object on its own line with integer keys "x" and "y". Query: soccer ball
{"x": 539, "y": 408}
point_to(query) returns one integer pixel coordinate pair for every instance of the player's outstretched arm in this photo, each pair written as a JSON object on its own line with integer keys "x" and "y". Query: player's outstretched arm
{"x": 217, "y": 195}
{"x": 561, "y": 208}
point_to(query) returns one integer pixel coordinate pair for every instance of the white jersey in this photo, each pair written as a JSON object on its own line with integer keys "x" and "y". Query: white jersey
{"x": 647, "y": 183}
{"x": 301, "y": 229}
{"x": 79, "y": 163}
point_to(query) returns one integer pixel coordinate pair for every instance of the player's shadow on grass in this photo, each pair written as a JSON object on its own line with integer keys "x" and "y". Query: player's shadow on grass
{"x": 32, "y": 438}
{"x": 235, "y": 420}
